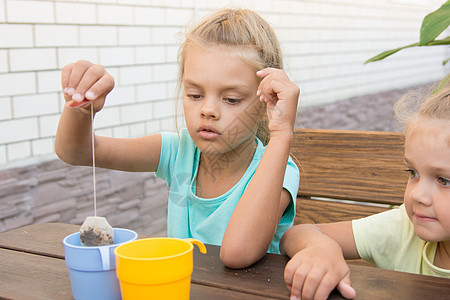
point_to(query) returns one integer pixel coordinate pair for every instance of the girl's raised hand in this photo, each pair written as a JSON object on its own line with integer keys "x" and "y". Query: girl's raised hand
{"x": 82, "y": 82}
{"x": 281, "y": 96}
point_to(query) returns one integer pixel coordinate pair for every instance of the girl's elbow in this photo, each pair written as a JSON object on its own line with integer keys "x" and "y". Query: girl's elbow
{"x": 64, "y": 156}
{"x": 238, "y": 257}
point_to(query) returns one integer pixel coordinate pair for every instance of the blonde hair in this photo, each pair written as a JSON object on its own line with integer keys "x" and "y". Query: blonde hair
{"x": 434, "y": 104}
{"x": 241, "y": 30}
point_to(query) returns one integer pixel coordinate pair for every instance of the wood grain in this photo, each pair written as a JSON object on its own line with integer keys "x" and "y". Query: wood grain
{"x": 365, "y": 167}
{"x": 36, "y": 276}
{"x": 45, "y": 239}
{"x": 33, "y": 277}
{"x": 354, "y": 165}
{"x": 265, "y": 278}
{"x": 202, "y": 292}
{"x": 318, "y": 211}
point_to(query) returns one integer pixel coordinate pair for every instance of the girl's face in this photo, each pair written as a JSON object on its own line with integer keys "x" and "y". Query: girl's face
{"x": 427, "y": 194}
{"x": 220, "y": 103}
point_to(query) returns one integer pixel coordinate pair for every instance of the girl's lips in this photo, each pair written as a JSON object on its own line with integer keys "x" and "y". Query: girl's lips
{"x": 423, "y": 218}
{"x": 208, "y": 133}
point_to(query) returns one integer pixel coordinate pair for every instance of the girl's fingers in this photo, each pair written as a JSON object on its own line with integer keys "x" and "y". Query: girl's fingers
{"x": 100, "y": 88}
{"x": 90, "y": 77}
{"x": 298, "y": 283}
{"x": 345, "y": 288}
{"x": 65, "y": 75}
{"x": 295, "y": 275}
{"x": 95, "y": 82}
{"x": 322, "y": 286}
{"x": 264, "y": 72}
{"x": 77, "y": 72}
{"x": 274, "y": 82}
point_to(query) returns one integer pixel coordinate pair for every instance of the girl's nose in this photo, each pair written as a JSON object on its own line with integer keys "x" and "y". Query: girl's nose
{"x": 422, "y": 192}
{"x": 210, "y": 109}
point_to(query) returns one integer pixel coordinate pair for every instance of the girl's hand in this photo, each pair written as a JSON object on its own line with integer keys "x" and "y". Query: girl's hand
{"x": 315, "y": 271}
{"x": 83, "y": 82}
{"x": 281, "y": 96}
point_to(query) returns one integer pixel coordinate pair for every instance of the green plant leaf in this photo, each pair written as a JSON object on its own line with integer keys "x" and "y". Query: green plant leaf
{"x": 434, "y": 23}
{"x": 445, "y": 41}
{"x": 445, "y": 61}
{"x": 387, "y": 53}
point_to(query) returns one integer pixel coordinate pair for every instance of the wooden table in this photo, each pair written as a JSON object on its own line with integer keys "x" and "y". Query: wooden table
{"x": 32, "y": 267}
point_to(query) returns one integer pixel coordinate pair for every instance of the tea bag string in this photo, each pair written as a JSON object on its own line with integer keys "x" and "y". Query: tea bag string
{"x": 93, "y": 158}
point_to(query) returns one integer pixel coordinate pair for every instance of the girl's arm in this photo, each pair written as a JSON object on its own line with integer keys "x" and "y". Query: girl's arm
{"x": 84, "y": 83}
{"x": 317, "y": 264}
{"x": 254, "y": 221}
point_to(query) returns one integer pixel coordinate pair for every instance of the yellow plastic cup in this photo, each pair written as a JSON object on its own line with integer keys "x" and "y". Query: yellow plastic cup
{"x": 156, "y": 268}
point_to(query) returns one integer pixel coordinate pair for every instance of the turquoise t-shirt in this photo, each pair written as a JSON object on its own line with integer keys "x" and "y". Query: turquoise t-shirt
{"x": 388, "y": 240}
{"x": 190, "y": 216}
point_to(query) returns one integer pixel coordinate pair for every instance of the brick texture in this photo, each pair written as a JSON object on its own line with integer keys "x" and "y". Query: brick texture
{"x": 53, "y": 191}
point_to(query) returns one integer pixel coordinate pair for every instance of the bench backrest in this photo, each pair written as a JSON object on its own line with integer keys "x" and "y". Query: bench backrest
{"x": 361, "y": 166}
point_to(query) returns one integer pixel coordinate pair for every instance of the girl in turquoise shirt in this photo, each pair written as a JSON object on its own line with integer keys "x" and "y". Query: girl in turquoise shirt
{"x": 230, "y": 176}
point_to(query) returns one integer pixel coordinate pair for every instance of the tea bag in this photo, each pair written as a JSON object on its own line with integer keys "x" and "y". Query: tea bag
{"x": 95, "y": 231}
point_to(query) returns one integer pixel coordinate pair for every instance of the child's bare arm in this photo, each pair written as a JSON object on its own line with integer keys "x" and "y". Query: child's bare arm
{"x": 254, "y": 221}
{"x": 317, "y": 262}
{"x": 84, "y": 83}
{"x": 81, "y": 81}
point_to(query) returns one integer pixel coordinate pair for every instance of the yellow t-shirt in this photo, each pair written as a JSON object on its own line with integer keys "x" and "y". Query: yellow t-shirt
{"x": 388, "y": 240}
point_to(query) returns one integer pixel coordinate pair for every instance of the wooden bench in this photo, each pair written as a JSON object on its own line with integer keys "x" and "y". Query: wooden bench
{"x": 347, "y": 174}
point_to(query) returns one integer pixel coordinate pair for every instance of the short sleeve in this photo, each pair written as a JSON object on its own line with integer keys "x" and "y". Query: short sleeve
{"x": 291, "y": 183}
{"x": 169, "y": 150}
{"x": 378, "y": 237}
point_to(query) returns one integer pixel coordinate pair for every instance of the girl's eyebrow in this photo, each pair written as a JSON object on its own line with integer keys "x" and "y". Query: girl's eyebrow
{"x": 437, "y": 169}
{"x": 190, "y": 82}
{"x": 232, "y": 87}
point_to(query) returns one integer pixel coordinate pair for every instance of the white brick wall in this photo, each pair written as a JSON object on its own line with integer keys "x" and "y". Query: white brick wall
{"x": 3, "y": 61}
{"x": 32, "y": 105}
{"x": 48, "y": 81}
{"x": 29, "y": 11}
{"x": 2, "y": 15}
{"x": 75, "y": 13}
{"x": 32, "y": 59}
{"x": 55, "y": 36}
{"x": 325, "y": 43}
{"x": 47, "y": 126}
{"x": 98, "y": 36}
{"x": 3, "y": 159}
{"x": 6, "y": 111}
{"x": 19, "y": 35}
{"x": 19, "y": 150}
{"x": 18, "y": 130}
{"x": 68, "y": 55}
{"x": 17, "y": 84}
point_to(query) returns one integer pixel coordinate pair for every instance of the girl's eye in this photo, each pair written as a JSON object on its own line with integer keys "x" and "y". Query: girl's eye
{"x": 194, "y": 96}
{"x": 231, "y": 100}
{"x": 412, "y": 173}
{"x": 444, "y": 181}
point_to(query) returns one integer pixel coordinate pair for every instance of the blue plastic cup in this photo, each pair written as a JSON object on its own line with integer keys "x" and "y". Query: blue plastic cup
{"x": 92, "y": 270}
